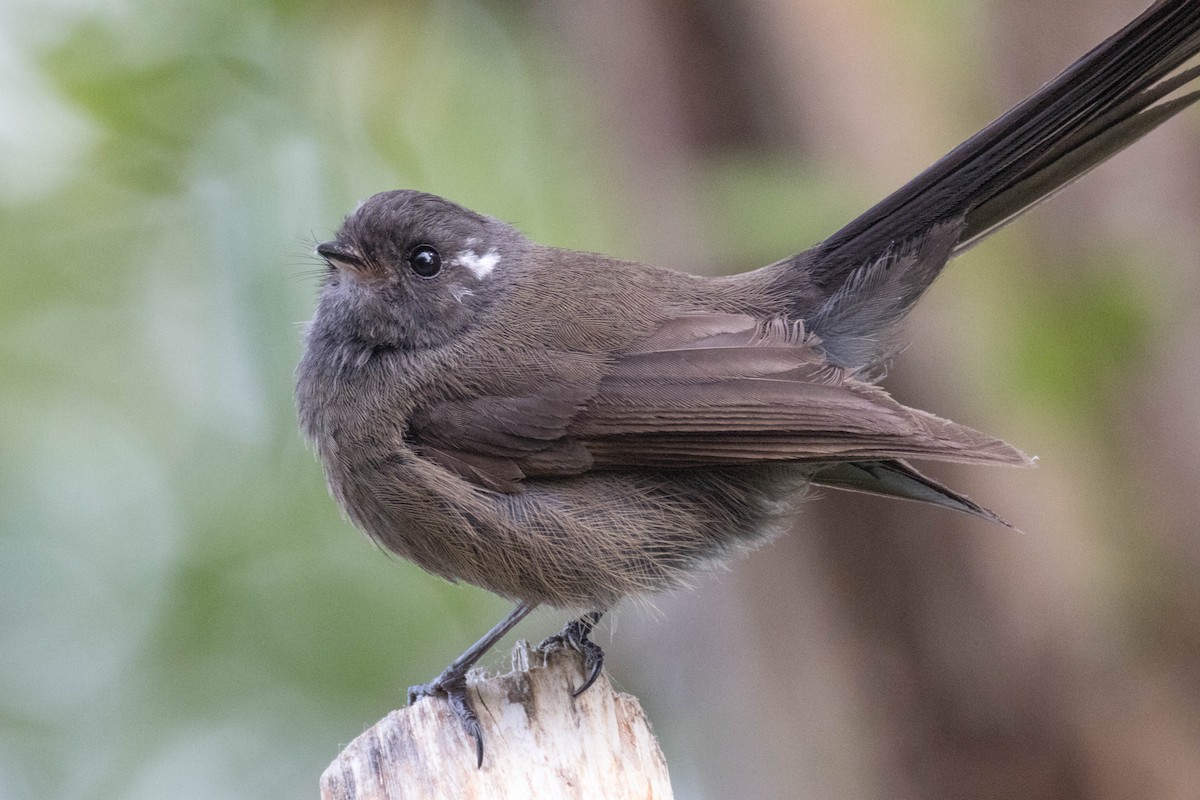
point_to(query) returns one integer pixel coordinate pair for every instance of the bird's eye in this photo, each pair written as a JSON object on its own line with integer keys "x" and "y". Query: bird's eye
{"x": 425, "y": 261}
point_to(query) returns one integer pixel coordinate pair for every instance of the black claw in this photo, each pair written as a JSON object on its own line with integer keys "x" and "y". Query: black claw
{"x": 477, "y": 732}
{"x": 465, "y": 714}
{"x": 452, "y": 683}
{"x": 597, "y": 666}
{"x": 576, "y": 635}
{"x": 593, "y": 656}
{"x": 453, "y": 687}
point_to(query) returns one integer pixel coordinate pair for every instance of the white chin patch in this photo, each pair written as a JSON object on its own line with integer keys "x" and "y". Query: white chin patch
{"x": 480, "y": 266}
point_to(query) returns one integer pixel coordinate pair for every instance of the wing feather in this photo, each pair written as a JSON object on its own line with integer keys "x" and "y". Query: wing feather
{"x": 705, "y": 390}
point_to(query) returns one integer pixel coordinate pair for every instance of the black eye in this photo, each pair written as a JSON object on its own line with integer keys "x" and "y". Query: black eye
{"x": 425, "y": 261}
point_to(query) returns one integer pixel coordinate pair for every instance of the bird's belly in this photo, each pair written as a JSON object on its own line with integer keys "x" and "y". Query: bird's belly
{"x": 582, "y": 542}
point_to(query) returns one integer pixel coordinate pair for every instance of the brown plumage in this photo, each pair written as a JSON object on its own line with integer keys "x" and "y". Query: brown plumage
{"x": 570, "y": 429}
{"x": 513, "y": 453}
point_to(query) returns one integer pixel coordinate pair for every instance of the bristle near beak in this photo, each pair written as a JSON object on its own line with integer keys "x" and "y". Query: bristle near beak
{"x": 340, "y": 255}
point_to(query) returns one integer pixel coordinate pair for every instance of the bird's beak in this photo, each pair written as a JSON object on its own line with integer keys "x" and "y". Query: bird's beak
{"x": 340, "y": 255}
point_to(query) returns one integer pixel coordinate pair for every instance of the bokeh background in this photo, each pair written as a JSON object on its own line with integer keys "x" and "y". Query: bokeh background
{"x": 184, "y": 614}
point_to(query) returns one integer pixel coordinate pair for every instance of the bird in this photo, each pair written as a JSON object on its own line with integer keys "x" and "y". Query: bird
{"x": 568, "y": 429}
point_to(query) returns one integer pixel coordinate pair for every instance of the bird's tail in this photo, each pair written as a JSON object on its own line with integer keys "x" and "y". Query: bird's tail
{"x": 899, "y": 479}
{"x": 874, "y": 269}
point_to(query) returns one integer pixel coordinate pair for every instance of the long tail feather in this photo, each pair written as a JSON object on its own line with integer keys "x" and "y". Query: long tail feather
{"x": 1098, "y": 106}
{"x": 1106, "y": 95}
{"x": 900, "y": 479}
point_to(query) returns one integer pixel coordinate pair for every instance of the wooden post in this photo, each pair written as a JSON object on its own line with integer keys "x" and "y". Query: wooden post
{"x": 538, "y": 742}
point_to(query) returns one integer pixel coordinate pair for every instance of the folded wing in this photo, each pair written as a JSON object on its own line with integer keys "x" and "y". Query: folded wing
{"x": 706, "y": 390}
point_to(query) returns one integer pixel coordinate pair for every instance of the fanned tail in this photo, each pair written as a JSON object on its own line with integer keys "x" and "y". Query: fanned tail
{"x": 874, "y": 269}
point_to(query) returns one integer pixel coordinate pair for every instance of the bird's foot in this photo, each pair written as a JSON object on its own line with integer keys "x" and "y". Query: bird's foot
{"x": 577, "y": 636}
{"x": 452, "y": 685}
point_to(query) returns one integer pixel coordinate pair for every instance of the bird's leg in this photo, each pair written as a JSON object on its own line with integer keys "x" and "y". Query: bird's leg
{"x": 452, "y": 683}
{"x": 577, "y": 636}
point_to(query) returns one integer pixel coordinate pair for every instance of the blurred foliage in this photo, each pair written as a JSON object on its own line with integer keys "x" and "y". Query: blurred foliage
{"x": 771, "y": 203}
{"x": 1081, "y": 336}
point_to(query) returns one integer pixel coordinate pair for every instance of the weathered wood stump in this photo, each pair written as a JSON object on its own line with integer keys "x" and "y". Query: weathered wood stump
{"x": 539, "y": 742}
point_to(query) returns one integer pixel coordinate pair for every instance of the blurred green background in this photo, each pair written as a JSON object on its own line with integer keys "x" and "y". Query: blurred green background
{"x": 184, "y": 614}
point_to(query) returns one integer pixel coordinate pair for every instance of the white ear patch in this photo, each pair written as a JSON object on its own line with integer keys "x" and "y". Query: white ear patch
{"x": 480, "y": 266}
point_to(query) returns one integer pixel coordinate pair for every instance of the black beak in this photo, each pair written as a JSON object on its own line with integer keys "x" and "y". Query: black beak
{"x": 341, "y": 253}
